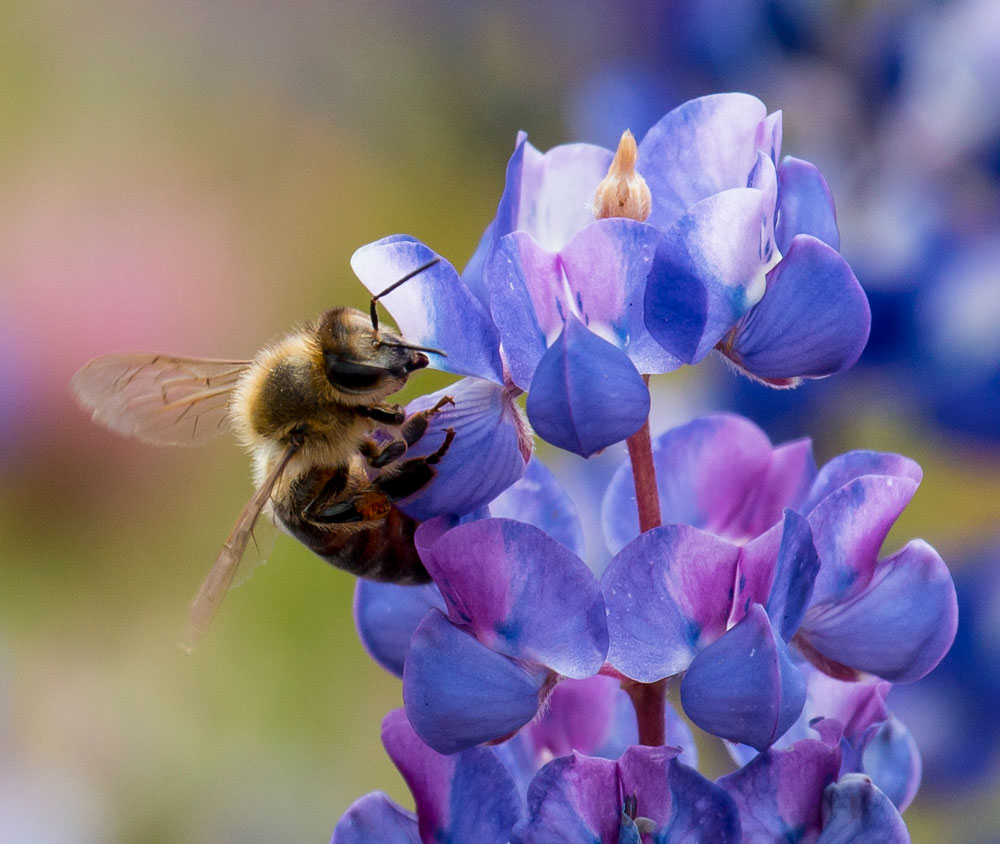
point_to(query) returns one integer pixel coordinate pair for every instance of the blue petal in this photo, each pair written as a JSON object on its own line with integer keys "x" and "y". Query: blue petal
{"x": 744, "y": 687}
{"x": 586, "y": 394}
{"x": 527, "y": 596}
{"x": 433, "y": 308}
{"x": 805, "y": 204}
{"x": 798, "y": 564}
{"x": 375, "y": 819}
{"x": 386, "y": 616}
{"x": 892, "y": 760}
{"x": 844, "y": 468}
{"x": 458, "y": 693}
{"x": 900, "y": 626}
{"x": 779, "y": 793}
{"x": 668, "y": 593}
{"x": 707, "y": 273}
{"x": 701, "y": 811}
{"x": 813, "y": 320}
{"x": 856, "y": 812}
{"x": 538, "y": 499}
{"x": 469, "y": 796}
{"x": 491, "y": 446}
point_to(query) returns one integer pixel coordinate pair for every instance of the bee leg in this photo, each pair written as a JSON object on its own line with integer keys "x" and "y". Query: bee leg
{"x": 413, "y": 428}
{"x": 385, "y": 414}
{"x": 414, "y": 474}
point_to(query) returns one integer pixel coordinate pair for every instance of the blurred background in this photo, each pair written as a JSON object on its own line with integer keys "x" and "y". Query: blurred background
{"x": 193, "y": 177}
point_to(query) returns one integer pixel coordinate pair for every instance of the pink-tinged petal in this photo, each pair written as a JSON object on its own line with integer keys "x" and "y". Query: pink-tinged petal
{"x": 779, "y": 794}
{"x": 605, "y": 267}
{"x": 469, "y": 796}
{"x": 557, "y": 191}
{"x": 586, "y": 394}
{"x": 539, "y": 499}
{"x": 491, "y": 447}
{"x": 813, "y": 320}
{"x": 844, "y": 468}
{"x": 707, "y": 273}
{"x": 805, "y": 204}
{"x": 526, "y": 300}
{"x": 375, "y": 819}
{"x": 744, "y": 687}
{"x": 707, "y": 473}
{"x": 458, "y": 693}
{"x": 702, "y": 147}
{"x": 668, "y": 594}
{"x": 433, "y": 308}
{"x": 522, "y": 594}
{"x": 849, "y": 527}
{"x": 386, "y": 616}
{"x": 578, "y": 716}
{"x": 764, "y": 178}
{"x": 788, "y": 480}
{"x": 891, "y": 758}
{"x": 899, "y": 627}
{"x": 755, "y": 572}
{"x": 856, "y": 812}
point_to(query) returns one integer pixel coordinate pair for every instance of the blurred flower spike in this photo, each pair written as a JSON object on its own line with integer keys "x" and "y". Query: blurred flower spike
{"x": 534, "y": 683}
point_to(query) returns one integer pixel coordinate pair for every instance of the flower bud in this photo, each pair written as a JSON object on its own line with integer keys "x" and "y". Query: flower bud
{"x": 623, "y": 192}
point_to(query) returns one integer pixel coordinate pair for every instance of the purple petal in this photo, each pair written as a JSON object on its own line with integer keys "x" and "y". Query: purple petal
{"x": 706, "y": 473}
{"x": 604, "y": 269}
{"x": 586, "y": 394}
{"x": 668, "y": 594}
{"x": 892, "y": 760}
{"x": 755, "y": 572}
{"x": 458, "y": 693}
{"x": 386, "y": 616}
{"x": 701, "y": 812}
{"x": 744, "y": 687}
{"x": 466, "y": 797}
{"x": 700, "y": 148}
{"x": 573, "y": 798}
{"x": 538, "y": 499}
{"x": 375, "y": 819}
{"x": 578, "y": 715}
{"x": 849, "y": 527}
{"x": 812, "y": 322}
{"x": 522, "y": 594}
{"x": 707, "y": 273}
{"x": 786, "y": 484}
{"x": 433, "y": 308}
{"x": 623, "y": 730}
{"x": 856, "y": 812}
{"x": 779, "y": 793}
{"x": 805, "y": 204}
{"x": 492, "y": 444}
{"x": 844, "y": 468}
{"x": 798, "y": 565}
{"x": 900, "y": 626}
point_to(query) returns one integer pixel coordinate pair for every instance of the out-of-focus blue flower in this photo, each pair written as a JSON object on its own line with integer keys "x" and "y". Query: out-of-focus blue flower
{"x": 722, "y": 592}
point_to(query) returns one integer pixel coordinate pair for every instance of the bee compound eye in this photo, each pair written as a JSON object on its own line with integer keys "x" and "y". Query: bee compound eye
{"x": 352, "y": 376}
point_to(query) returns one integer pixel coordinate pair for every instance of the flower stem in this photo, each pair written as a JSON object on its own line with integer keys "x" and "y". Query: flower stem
{"x": 649, "y": 700}
{"x": 640, "y": 452}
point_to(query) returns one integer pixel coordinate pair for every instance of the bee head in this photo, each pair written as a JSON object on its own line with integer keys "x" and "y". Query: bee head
{"x": 362, "y": 361}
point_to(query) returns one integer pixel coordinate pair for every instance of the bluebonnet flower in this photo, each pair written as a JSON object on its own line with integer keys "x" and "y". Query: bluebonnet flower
{"x": 729, "y": 582}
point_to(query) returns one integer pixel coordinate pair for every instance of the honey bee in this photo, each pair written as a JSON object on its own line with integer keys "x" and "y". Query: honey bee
{"x": 327, "y": 449}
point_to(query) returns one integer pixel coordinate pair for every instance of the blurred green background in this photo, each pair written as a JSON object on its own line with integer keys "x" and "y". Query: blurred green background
{"x": 193, "y": 177}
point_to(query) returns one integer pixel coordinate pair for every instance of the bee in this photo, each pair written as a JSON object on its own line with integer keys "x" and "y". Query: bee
{"x": 327, "y": 449}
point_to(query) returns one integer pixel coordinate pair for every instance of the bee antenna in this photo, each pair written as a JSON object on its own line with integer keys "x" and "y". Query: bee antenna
{"x": 393, "y": 286}
{"x": 427, "y": 349}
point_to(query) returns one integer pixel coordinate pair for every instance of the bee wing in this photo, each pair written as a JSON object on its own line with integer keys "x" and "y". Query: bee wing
{"x": 161, "y": 399}
{"x": 220, "y": 577}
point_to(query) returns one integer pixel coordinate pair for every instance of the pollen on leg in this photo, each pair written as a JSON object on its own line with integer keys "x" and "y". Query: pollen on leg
{"x": 373, "y": 506}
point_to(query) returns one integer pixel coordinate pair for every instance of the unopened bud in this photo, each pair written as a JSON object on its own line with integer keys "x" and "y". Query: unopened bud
{"x": 623, "y": 192}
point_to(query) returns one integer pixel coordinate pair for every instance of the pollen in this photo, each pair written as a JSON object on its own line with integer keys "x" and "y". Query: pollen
{"x": 623, "y": 192}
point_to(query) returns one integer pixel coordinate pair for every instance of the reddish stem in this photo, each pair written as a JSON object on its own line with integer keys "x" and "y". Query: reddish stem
{"x": 640, "y": 452}
{"x": 649, "y": 701}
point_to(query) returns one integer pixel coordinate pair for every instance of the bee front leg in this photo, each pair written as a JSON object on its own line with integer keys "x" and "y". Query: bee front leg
{"x": 413, "y": 428}
{"x": 414, "y": 474}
